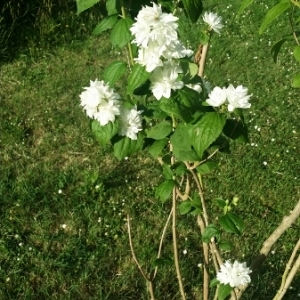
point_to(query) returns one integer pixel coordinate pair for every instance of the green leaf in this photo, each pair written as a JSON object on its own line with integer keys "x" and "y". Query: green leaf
{"x": 160, "y": 131}
{"x": 189, "y": 70}
{"x": 83, "y": 5}
{"x": 156, "y": 148}
{"x": 196, "y": 201}
{"x": 172, "y": 107}
{"x": 221, "y": 203}
{"x": 107, "y": 23}
{"x": 167, "y": 172}
{"x": 207, "y": 167}
{"x": 189, "y": 98}
{"x": 138, "y": 76}
{"x": 204, "y": 37}
{"x": 297, "y": 53}
{"x": 185, "y": 207}
{"x": 193, "y": 9}
{"x": 296, "y": 81}
{"x": 232, "y": 223}
{"x": 206, "y": 131}
{"x": 214, "y": 282}
{"x": 111, "y": 7}
{"x": 120, "y": 35}
{"x": 180, "y": 169}
{"x": 225, "y": 246}
{"x": 164, "y": 190}
{"x": 104, "y": 133}
{"x": 224, "y": 291}
{"x": 181, "y": 143}
{"x": 125, "y": 146}
{"x": 169, "y": 4}
{"x": 159, "y": 262}
{"x": 276, "y": 48}
{"x": 236, "y": 130}
{"x": 273, "y": 13}
{"x": 243, "y": 5}
{"x": 114, "y": 72}
{"x": 193, "y": 69}
{"x": 210, "y": 231}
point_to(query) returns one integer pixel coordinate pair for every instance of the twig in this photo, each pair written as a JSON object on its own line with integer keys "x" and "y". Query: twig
{"x": 284, "y": 283}
{"x": 175, "y": 250}
{"x": 161, "y": 241}
{"x": 200, "y": 192}
{"x": 204, "y": 160}
{"x": 201, "y": 224}
{"x": 270, "y": 241}
{"x": 290, "y": 277}
{"x": 293, "y": 29}
{"x": 217, "y": 292}
{"x": 202, "y": 60}
{"x": 148, "y": 281}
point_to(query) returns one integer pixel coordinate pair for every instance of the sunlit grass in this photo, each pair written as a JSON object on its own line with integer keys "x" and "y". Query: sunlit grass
{"x": 64, "y": 198}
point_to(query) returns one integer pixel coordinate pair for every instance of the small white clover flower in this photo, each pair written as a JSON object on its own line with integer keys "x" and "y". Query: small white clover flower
{"x": 235, "y": 274}
{"x": 217, "y": 97}
{"x": 100, "y": 102}
{"x": 130, "y": 122}
{"x": 213, "y": 21}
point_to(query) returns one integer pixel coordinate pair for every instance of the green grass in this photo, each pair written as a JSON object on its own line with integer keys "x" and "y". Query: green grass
{"x": 64, "y": 199}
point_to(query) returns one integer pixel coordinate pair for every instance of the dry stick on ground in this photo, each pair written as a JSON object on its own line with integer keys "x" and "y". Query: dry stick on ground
{"x": 270, "y": 241}
{"x": 289, "y": 273}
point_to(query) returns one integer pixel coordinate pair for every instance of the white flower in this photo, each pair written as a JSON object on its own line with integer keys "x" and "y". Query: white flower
{"x": 217, "y": 97}
{"x": 214, "y": 21}
{"x": 154, "y": 25}
{"x": 100, "y": 102}
{"x": 130, "y": 122}
{"x": 163, "y": 80}
{"x": 149, "y": 57}
{"x": 235, "y": 274}
{"x": 196, "y": 87}
{"x": 176, "y": 50}
{"x": 237, "y": 97}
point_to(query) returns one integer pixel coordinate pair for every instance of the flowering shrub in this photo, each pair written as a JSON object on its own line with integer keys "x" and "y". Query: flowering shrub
{"x": 171, "y": 112}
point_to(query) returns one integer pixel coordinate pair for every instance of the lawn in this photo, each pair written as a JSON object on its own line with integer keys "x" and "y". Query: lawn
{"x": 65, "y": 198}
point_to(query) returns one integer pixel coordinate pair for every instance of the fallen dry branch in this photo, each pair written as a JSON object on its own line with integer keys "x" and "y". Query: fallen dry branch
{"x": 286, "y": 222}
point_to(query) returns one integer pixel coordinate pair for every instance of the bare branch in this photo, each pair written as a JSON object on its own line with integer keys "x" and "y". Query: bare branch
{"x": 270, "y": 241}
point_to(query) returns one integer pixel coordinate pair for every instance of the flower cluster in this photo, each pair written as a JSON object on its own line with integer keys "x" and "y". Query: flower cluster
{"x": 102, "y": 104}
{"x": 235, "y": 97}
{"x": 213, "y": 21}
{"x": 235, "y": 274}
{"x": 155, "y": 33}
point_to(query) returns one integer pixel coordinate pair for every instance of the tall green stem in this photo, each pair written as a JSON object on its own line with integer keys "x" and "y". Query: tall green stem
{"x": 129, "y": 44}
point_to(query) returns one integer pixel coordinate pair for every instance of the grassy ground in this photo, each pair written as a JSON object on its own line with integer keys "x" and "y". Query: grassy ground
{"x": 64, "y": 199}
